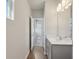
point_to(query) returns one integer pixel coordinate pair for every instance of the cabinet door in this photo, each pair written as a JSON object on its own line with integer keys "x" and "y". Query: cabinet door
{"x": 49, "y": 50}
{"x": 61, "y": 52}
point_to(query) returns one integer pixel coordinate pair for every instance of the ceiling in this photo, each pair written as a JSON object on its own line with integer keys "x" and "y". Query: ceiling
{"x": 36, "y": 4}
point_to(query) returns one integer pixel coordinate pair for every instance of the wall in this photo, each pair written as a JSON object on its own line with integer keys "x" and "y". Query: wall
{"x": 37, "y": 13}
{"x": 50, "y": 17}
{"x": 17, "y": 39}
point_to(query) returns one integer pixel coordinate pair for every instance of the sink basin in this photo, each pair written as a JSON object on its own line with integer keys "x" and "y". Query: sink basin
{"x": 62, "y": 41}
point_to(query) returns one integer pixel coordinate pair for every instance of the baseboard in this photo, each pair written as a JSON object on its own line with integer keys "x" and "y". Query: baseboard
{"x": 27, "y": 54}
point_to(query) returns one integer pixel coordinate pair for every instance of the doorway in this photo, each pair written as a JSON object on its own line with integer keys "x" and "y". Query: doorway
{"x": 37, "y": 32}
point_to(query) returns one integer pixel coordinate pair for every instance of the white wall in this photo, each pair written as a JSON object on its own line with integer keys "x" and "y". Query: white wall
{"x": 51, "y": 19}
{"x": 37, "y": 13}
{"x": 17, "y": 38}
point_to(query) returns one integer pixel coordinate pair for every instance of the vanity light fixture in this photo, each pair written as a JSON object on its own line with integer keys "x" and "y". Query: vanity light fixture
{"x": 59, "y": 7}
{"x": 68, "y": 5}
{"x": 65, "y": 4}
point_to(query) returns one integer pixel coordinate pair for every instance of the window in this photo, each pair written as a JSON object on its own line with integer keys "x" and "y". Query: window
{"x": 10, "y": 9}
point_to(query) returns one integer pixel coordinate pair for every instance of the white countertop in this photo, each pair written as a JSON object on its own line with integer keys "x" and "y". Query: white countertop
{"x": 64, "y": 41}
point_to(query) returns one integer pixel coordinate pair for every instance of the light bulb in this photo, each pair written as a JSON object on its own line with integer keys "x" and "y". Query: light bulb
{"x": 69, "y": 4}
{"x": 59, "y": 7}
{"x": 63, "y": 3}
{"x": 67, "y": 1}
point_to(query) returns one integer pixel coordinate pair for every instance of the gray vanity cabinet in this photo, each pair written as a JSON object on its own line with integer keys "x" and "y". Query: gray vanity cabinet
{"x": 57, "y": 51}
{"x": 61, "y": 52}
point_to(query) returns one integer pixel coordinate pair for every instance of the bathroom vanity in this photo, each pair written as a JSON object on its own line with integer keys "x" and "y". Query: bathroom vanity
{"x": 59, "y": 49}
